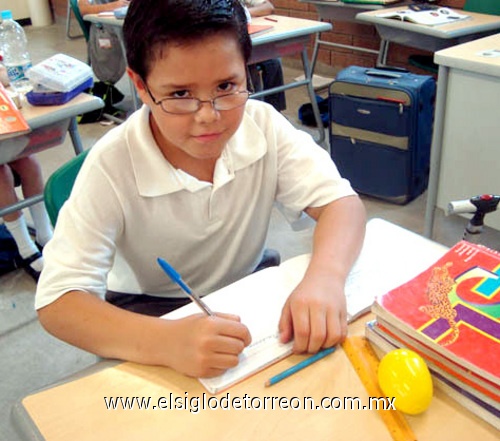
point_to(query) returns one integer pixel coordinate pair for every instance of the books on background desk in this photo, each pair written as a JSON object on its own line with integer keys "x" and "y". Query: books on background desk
{"x": 259, "y": 297}
{"x": 12, "y": 122}
{"x": 255, "y": 29}
{"x": 450, "y": 315}
{"x": 428, "y": 18}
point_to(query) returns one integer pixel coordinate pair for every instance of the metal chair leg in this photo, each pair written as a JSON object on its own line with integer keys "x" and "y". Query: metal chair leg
{"x": 68, "y": 25}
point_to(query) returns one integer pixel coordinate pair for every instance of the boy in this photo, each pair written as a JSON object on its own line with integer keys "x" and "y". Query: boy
{"x": 192, "y": 177}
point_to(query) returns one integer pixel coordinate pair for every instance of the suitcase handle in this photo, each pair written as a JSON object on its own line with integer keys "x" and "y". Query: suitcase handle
{"x": 388, "y": 72}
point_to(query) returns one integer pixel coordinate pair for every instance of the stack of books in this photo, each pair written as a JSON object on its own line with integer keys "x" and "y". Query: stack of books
{"x": 450, "y": 315}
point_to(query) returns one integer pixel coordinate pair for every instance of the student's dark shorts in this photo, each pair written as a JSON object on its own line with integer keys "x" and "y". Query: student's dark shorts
{"x": 144, "y": 304}
{"x": 157, "y": 306}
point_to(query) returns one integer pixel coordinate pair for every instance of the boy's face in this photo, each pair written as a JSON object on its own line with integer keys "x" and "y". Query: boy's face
{"x": 204, "y": 69}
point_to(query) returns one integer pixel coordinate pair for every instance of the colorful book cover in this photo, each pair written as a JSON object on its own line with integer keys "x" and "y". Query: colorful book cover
{"x": 12, "y": 122}
{"x": 454, "y": 307}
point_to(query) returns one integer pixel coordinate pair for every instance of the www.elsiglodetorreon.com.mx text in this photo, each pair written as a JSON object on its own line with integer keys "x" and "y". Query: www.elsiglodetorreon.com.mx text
{"x": 196, "y": 404}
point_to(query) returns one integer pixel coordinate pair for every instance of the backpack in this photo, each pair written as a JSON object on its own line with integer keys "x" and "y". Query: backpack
{"x": 110, "y": 95}
{"x": 9, "y": 256}
{"x": 105, "y": 53}
{"x": 306, "y": 114}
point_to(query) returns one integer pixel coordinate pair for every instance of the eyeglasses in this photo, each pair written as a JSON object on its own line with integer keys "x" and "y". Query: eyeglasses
{"x": 184, "y": 106}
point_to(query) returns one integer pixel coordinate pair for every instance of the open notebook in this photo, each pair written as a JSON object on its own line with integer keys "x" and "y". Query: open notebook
{"x": 259, "y": 297}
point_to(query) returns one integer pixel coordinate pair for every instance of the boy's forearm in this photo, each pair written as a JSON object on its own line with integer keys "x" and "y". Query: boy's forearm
{"x": 91, "y": 324}
{"x": 261, "y": 10}
{"x": 338, "y": 237}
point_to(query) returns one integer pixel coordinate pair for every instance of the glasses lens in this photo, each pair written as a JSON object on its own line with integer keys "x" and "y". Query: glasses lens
{"x": 191, "y": 105}
{"x": 180, "y": 105}
{"x": 231, "y": 101}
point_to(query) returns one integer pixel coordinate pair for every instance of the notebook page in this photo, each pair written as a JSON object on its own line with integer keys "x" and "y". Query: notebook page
{"x": 258, "y": 299}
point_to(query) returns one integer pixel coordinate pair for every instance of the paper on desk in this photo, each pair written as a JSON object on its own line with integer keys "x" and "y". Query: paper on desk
{"x": 258, "y": 299}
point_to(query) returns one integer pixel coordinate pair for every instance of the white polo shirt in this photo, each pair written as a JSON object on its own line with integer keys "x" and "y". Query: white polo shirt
{"x": 129, "y": 206}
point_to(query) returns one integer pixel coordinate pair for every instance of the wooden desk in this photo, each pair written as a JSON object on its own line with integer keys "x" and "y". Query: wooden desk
{"x": 466, "y": 136}
{"x": 431, "y": 38}
{"x": 76, "y": 411}
{"x": 289, "y": 36}
{"x": 49, "y": 125}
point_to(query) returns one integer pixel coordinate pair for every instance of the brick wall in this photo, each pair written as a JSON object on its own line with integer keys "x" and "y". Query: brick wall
{"x": 59, "y": 7}
{"x": 330, "y": 59}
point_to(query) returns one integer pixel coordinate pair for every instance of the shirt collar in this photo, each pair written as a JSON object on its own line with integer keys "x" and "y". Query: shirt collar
{"x": 245, "y": 147}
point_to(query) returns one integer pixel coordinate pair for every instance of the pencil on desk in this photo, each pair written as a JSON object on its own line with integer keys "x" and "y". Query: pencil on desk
{"x": 270, "y": 19}
{"x": 299, "y": 366}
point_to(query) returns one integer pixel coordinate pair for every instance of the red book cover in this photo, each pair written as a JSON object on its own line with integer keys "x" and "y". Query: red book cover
{"x": 12, "y": 122}
{"x": 453, "y": 307}
{"x": 254, "y": 29}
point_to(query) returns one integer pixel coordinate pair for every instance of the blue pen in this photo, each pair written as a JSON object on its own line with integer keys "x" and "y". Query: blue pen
{"x": 304, "y": 363}
{"x": 176, "y": 278}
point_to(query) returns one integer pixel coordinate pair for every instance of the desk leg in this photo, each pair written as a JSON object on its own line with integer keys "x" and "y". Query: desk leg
{"x": 437, "y": 142}
{"x": 315, "y": 53}
{"x": 382, "y": 53}
{"x": 312, "y": 96}
{"x": 75, "y": 136}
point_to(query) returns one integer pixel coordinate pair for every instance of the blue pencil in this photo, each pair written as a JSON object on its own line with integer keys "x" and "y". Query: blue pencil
{"x": 304, "y": 363}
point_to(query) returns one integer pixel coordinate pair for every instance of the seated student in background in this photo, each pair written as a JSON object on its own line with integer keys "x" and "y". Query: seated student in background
{"x": 96, "y": 6}
{"x": 266, "y": 74}
{"x": 28, "y": 172}
{"x": 192, "y": 177}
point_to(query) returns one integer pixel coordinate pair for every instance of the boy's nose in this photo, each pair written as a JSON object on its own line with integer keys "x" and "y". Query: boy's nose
{"x": 207, "y": 111}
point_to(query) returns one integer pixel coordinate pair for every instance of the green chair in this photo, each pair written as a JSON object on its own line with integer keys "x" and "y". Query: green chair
{"x": 84, "y": 25}
{"x": 59, "y": 185}
{"x": 491, "y": 7}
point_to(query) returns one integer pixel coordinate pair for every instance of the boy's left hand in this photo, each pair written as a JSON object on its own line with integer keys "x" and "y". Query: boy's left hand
{"x": 315, "y": 315}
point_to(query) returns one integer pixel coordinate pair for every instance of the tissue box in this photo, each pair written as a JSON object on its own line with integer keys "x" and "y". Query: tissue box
{"x": 48, "y": 98}
{"x": 60, "y": 73}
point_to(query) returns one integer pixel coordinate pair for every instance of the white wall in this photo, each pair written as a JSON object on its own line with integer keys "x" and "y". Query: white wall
{"x": 19, "y": 8}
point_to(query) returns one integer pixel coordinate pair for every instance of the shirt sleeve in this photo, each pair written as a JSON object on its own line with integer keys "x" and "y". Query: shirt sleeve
{"x": 81, "y": 252}
{"x": 307, "y": 175}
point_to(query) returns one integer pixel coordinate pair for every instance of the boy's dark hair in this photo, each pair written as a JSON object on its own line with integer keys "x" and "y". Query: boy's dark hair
{"x": 152, "y": 24}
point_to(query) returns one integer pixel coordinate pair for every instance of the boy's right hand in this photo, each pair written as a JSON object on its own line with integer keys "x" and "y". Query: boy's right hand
{"x": 206, "y": 346}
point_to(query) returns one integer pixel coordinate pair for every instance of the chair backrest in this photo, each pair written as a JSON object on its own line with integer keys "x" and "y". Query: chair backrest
{"x": 59, "y": 185}
{"x": 85, "y": 25}
{"x": 491, "y": 7}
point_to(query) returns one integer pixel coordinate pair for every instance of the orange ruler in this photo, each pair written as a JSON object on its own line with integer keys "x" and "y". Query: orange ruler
{"x": 365, "y": 362}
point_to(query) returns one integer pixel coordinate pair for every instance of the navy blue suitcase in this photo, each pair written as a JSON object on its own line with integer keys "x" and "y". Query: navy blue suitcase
{"x": 381, "y": 130}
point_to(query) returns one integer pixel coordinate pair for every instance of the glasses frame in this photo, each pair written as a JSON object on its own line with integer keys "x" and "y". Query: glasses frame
{"x": 200, "y": 102}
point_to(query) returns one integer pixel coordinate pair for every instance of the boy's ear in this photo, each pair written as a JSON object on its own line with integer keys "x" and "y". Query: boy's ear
{"x": 138, "y": 83}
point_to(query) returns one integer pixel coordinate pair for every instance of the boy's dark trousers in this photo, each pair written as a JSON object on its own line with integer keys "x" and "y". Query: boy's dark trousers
{"x": 266, "y": 75}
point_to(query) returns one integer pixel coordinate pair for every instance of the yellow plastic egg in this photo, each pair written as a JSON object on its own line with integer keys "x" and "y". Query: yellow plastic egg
{"x": 403, "y": 374}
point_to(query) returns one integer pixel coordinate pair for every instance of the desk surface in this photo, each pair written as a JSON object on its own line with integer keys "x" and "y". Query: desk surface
{"x": 75, "y": 410}
{"x": 39, "y": 116}
{"x": 481, "y": 56}
{"x": 45, "y": 118}
{"x": 476, "y": 23}
{"x": 284, "y": 27}
{"x": 287, "y": 27}
{"x": 337, "y": 4}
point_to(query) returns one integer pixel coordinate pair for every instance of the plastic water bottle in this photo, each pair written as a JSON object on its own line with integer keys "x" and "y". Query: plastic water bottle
{"x": 16, "y": 58}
